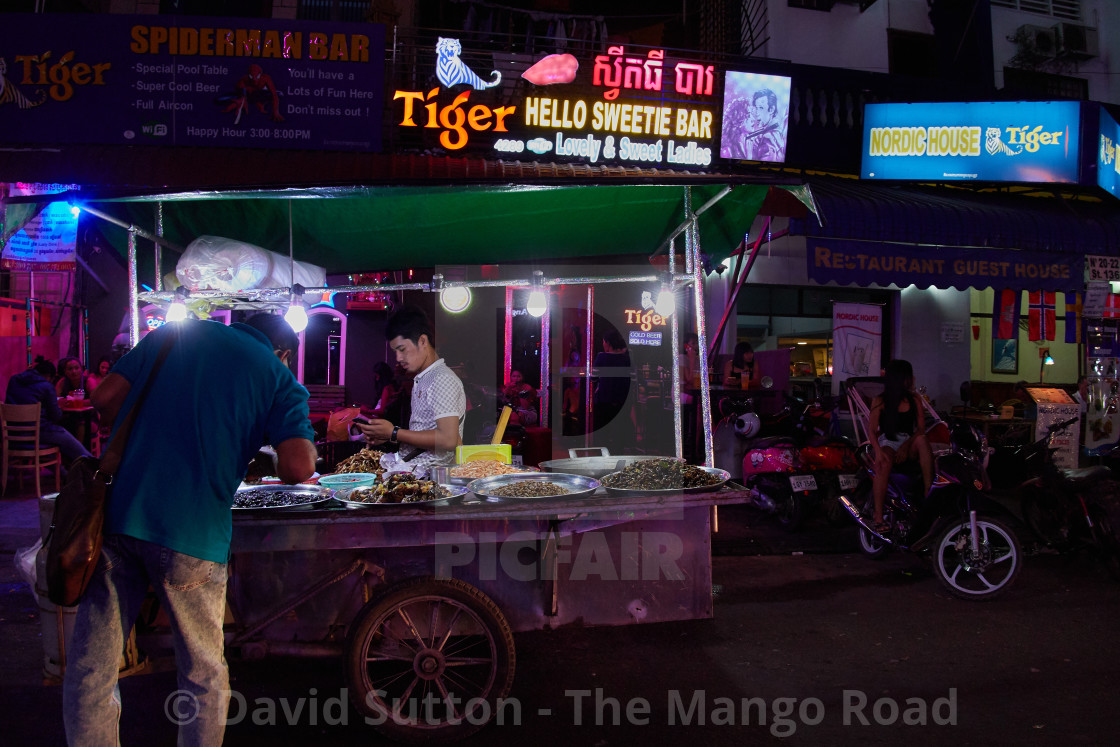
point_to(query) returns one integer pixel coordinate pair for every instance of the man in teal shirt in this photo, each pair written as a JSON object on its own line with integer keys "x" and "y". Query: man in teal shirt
{"x": 221, "y": 393}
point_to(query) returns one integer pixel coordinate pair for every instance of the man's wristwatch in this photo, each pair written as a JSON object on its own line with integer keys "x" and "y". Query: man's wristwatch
{"x": 393, "y": 438}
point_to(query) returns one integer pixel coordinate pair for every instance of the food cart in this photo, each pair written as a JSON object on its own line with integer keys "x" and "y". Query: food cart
{"x": 421, "y": 600}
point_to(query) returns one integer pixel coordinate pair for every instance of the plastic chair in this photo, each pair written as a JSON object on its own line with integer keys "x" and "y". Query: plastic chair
{"x": 22, "y": 451}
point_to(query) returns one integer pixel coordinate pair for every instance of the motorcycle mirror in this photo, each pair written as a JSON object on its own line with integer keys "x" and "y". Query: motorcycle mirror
{"x": 767, "y": 382}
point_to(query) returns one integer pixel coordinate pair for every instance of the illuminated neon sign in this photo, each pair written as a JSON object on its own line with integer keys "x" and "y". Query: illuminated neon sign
{"x": 1010, "y": 141}
{"x": 639, "y": 110}
{"x": 1108, "y": 166}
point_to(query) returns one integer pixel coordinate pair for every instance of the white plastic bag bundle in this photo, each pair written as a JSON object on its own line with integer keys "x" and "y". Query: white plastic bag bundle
{"x": 217, "y": 263}
{"x": 25, "y": 563}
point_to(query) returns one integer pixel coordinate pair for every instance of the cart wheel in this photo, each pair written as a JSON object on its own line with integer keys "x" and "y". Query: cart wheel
{"x": 429, "y": 660}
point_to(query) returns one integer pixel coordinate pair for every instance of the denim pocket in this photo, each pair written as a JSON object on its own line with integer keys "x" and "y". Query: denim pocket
{"x": 185, "y": 572}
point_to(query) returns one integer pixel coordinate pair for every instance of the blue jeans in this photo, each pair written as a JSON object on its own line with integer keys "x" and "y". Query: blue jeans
{"x": 193, "y": 593}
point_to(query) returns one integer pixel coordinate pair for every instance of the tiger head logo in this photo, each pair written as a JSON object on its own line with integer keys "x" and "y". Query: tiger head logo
{"x": 993, "y": 141}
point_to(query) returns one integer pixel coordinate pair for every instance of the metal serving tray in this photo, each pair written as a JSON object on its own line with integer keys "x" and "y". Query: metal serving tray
{"x": 466, "y": 481}
{"x": 310, "y": 497}
{"x": 723, "y": 476}
{"x": 577, "y": 485}
{"x": 455, "y": 490}
{"x": 593, "y": 466}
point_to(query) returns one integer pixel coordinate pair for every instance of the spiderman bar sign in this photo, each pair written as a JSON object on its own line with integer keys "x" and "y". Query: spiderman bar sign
{"x": 191, "y": 80}
{"x": 1015, "y": 141}
{"x": 619, "y": 107}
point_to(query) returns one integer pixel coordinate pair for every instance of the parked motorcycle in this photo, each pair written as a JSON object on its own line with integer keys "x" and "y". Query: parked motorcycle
{"x": 763, "y": 451}
{"x": 976, "y": 553}
{"x": 1064, "y": 508}
{"x": 828, "y": 456}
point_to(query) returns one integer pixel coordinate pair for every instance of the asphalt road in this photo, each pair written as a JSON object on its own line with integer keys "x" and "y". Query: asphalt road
{"x": 803, "y": 649}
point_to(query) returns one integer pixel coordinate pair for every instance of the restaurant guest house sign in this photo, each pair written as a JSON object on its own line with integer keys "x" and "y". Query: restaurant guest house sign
{"x": 190, "y": 80}
{"x": 620, "y": 107}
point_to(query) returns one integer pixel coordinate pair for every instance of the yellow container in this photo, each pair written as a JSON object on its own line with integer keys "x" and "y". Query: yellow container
{"x": 472, "y": 452}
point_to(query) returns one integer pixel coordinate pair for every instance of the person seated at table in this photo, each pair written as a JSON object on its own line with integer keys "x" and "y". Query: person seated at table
{"x": 740, "y": 365}
{"x": 897, "y": 427}
{"x": 34, "y": 385}
{"x": 95, "y": 377}
{"x": 72, "y": 377}
{"x": 386, "y": 391}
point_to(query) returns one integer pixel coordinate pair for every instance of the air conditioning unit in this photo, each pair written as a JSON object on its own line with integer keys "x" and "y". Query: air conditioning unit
{"x": 1077, "y": 42}
{"x": 1040, "y": 40}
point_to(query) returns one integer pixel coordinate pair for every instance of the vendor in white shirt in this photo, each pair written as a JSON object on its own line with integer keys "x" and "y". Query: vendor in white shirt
{"x": 438, "y": 401}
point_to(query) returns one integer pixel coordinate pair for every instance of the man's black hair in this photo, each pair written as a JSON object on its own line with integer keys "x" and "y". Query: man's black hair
{"x": 43, "y": 367}
{"x": 278, "y": 331}
{"x": 409, "y": 323}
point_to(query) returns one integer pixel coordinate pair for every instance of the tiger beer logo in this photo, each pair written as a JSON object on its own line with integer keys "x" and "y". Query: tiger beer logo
{"x": 58, "y": 76}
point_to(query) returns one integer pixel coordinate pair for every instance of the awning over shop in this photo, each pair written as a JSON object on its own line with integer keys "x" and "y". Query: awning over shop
{"x": 952, "y": 238}
{"x": 387, "y": 228}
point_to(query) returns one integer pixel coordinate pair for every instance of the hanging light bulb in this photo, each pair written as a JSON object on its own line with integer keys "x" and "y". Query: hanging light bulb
{"x": 666, "y": 302}
{"x": 538, "y": 299}
{"x": 296, "y": 315}
{"x": 456, "y": 298}
{"x": 177, "y": 310}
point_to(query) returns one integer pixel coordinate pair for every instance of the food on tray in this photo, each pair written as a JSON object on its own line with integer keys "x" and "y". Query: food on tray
{"x": 529, "y": 489}
{"x": 264, "y": 498}
{"x": 660, "y": 474}
{"x": 366, "y": 460}
{"x": 399, "y": 487}
{"x": 483, "y": 468}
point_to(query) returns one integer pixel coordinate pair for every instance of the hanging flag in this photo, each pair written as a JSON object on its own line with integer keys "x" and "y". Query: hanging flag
{"x": 1112, "y": 306}
{"x": 1005, "y": 315}
{"x": 1074, "y": 333}
{"x": 1040, "y": 315}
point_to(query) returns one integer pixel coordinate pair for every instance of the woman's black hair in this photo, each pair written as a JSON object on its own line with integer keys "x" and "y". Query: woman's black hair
{"x": 614, "y": 339}
{"x": 382, "y": 377}
{"x": 741, "y": 349}
{"x": 43, "y": 367}
{"x": 899, "y": 376}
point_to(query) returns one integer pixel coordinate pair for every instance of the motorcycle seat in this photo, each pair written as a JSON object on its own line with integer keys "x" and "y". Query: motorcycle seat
{"x": 1086, "y": 474}
{"x": 771, "y": 442}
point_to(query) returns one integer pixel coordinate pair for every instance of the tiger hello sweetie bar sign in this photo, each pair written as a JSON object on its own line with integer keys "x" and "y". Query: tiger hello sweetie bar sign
{"x": 1012, "y": 141}
{"x": 190, "y": 81}
{"x": 621, "y": 107}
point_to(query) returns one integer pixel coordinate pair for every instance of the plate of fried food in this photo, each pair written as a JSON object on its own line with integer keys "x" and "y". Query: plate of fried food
{"x": 533, "y": 485}
{"x": 400, "y": 488}
{"x": 665, "y": 476}
{"x": 366, "y": 460}
{"x": 467, "y": 472}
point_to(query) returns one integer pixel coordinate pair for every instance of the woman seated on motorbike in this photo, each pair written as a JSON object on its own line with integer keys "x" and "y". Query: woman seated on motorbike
{"x": 898, "y": 433}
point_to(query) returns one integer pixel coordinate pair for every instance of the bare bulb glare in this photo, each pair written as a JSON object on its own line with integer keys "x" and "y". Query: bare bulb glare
{"x": 296, "y": 317}
{"x": 537, "y": 304}
{"x": 176, "y": 312}
{"x": 455, "y": 299}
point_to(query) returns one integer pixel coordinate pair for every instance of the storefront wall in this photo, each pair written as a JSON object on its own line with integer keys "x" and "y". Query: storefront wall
{"x": 1067, "y": 356}
{"x": 931, "y": 325}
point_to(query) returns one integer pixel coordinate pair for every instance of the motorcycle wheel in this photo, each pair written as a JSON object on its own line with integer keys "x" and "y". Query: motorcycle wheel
{"x": 870, "y": 545}
{"x": 791, "y": 511}
{"x": 1108, "y": 546}
{"x": 980, "y": 576}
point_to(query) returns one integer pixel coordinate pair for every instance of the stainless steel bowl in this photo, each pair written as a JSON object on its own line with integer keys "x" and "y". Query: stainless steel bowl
{"x": 576, "y": 485}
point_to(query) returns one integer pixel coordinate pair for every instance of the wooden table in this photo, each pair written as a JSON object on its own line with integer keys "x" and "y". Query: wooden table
{"x": 78, "y": 417}
{"x": 1005, "y": 429}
